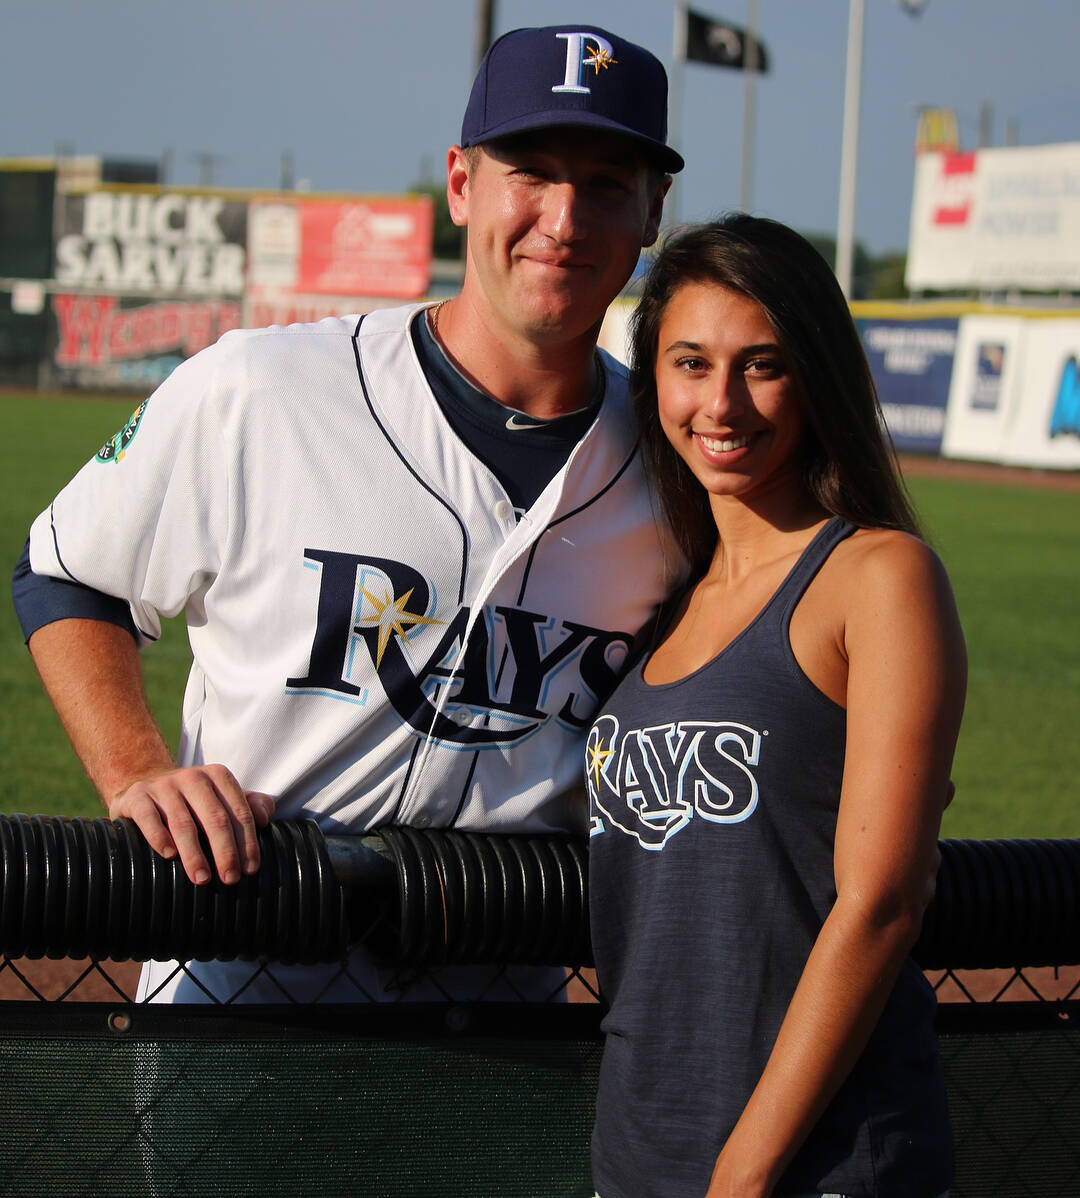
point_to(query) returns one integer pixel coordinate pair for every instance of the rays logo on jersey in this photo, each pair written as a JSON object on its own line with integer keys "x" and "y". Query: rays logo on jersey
{"x": 650, "y": 782}
{"x": 479, "y": 680}
{"x": 114, "y": 449}
{"x": 1065, "y": 417}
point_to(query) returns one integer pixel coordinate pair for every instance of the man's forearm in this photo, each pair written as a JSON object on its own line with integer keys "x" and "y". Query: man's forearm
{"x": 92, "y": 675}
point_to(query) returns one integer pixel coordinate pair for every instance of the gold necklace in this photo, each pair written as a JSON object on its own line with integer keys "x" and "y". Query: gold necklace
{"x": 435, "y": 316}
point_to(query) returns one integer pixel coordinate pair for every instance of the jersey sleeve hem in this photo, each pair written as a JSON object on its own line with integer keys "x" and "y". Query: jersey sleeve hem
{"x": 40, "y": 600}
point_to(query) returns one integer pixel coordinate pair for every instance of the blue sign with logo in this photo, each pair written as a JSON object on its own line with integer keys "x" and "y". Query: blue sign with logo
{"x": 989, "y": 368}
{"x": 912, "y": 361}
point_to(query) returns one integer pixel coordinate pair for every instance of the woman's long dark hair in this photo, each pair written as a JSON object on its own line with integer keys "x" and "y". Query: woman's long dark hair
{"x": 849, "y": 465}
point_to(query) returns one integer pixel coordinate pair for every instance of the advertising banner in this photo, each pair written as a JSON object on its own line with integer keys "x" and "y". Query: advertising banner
{"x": 912, "y": 362}
{"x": 109, "y": 341}
{"x": 287, "y": 308}
{"x": 1015, "y": 395}
{"x": 996, "y": 219}
{"x": 983, "y": 408}
{"x": 156, "y": 241}
{"x": 1046, "y": 431}
{"x": 356, "y": 247}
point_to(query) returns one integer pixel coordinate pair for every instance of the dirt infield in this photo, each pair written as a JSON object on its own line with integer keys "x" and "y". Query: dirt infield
{"x": 916, "y": 466}
{"x": 23, "y": 980}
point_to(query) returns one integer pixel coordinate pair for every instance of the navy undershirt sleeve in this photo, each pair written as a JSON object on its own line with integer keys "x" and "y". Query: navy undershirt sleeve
{"x": 40, "y": 600}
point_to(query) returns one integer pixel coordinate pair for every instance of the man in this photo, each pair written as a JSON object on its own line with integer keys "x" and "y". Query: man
{"x": 413, "y": 549}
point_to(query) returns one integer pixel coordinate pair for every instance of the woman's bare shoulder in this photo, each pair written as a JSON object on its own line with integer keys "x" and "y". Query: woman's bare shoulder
{"x": 890, "y": 581}
{"x": 886, "y": 556}
{"x": 879, "y": 578}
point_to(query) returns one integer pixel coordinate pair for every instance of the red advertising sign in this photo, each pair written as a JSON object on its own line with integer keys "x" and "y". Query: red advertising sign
{"x": 114, "y": 341}
{"x": 361, "y": 246}
{"x": 953, "y": 205}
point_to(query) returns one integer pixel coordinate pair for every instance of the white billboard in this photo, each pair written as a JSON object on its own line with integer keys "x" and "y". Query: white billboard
{"x": 1047, "y": 432}
{"x": 1015, "y": 393}
{"x": 996, "y": 219}
{"x": 982, "y": 408}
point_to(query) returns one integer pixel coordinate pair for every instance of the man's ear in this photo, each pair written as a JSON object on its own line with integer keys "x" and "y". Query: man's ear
{"x": 656, "y": 212}
{"x": 457, "y": 185}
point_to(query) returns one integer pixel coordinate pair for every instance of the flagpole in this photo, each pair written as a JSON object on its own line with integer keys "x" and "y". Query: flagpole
{"x": 675, "y": 90}
{"x": 849, "y": 149}
{"x": 750, "y": 71}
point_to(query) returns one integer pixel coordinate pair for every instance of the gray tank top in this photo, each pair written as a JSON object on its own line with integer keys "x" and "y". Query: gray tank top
{"x": 713, "y": 805}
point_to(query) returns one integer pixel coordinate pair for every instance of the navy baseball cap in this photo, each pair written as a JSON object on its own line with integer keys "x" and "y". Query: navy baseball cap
{"x": 568, "y": 75}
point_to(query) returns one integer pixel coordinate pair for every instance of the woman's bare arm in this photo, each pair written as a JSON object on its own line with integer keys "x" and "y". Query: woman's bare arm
{"x": 905, "y": 694}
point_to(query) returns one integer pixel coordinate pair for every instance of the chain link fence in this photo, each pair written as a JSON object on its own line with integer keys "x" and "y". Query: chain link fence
{"x": 104, "y": 1094}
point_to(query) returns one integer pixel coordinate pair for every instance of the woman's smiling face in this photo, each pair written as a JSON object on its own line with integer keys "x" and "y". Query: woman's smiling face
{"x": 729, "y": 402}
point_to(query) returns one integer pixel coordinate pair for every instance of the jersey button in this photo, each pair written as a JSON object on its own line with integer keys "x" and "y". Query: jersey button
{"x": 462, "y": 716}
{"x": 504, "y": 510}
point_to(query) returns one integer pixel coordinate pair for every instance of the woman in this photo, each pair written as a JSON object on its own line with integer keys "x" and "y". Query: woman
{"x": 767, "y": 783}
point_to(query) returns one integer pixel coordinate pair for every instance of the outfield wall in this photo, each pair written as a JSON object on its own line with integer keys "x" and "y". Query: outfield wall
{"x": 128, "y": 280}
{"x": 966, "y": 382}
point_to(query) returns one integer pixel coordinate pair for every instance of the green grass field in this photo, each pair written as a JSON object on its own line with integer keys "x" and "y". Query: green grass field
{"x": 44, "y": 441}
{"x": 1013, "y": 554}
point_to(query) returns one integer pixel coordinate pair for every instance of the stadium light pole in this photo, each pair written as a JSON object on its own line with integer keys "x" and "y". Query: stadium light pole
{"x": 849, "y": 148}
{"x": 485, "y": 27}
{"x": 750, "y": 73}
{"x": 675, "y": 94}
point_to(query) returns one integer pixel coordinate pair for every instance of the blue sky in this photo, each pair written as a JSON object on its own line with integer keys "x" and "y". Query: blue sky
{"x": 367, "y": 96}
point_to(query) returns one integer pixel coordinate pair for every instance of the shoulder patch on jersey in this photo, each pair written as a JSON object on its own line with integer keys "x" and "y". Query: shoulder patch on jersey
{"x": 114, "y": 449}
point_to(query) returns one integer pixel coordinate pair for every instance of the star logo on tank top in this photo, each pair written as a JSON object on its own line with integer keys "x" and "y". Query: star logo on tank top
{"x": 598, "y": 758}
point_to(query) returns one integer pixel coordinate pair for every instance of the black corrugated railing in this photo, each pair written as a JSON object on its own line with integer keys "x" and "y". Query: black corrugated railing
{"x": 94, "y": 888}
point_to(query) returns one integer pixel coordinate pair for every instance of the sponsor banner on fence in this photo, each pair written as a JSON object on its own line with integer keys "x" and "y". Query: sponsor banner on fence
{"x": 1047, "y": 428}
{"x": 982, "y": 397}
{"x": 163, "y": 241}
{"x": 285, "y": 308}
{"x": 997, "y": 218}
{"x": 912, "y": 362}
{"x": 361, "y": 246}
{"x": 1015, "y": 396}
{"x": 107, "y": 341}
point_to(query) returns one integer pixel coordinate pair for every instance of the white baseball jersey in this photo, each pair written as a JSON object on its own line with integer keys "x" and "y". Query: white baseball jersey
{"x": 376, "y": 637}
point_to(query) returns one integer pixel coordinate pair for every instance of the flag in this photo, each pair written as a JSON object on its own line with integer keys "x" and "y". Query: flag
{"x": 720, "y": 43}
